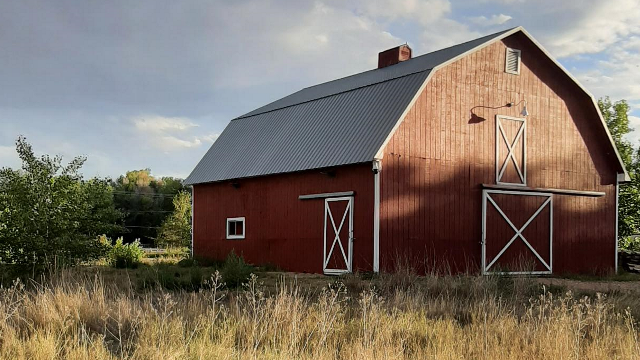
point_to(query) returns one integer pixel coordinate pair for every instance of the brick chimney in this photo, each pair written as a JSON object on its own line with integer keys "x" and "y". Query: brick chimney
{"x": 394, "y": 56}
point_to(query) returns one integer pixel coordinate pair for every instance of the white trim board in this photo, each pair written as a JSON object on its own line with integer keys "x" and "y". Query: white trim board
{"x": 326, "y": 195}
{"x": 377, "y": 167}
{"x": 380, "y": 153}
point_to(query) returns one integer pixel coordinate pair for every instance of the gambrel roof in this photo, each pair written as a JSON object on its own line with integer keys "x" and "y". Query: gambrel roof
{"x": 340, "y": 122}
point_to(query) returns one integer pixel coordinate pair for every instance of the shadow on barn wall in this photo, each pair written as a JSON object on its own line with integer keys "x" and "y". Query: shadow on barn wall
{"x": 436, "y": 224}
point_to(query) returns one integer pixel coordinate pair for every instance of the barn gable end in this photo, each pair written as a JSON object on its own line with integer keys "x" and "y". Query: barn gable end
{"x": 444, "y": 150}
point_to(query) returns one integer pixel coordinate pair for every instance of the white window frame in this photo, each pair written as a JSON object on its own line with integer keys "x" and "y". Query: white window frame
{"x": 501, "y": 136}
{"x": 244, "y": 228}
{"x": 506, "y": 58}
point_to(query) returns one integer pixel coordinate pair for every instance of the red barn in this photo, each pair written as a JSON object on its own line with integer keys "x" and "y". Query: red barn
{"x": 487, "y": 156}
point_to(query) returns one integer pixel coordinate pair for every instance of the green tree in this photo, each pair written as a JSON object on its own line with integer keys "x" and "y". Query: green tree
{"x": 616, "y": 115}
{"x": 176, "y": 228}
{"x": 49, "y": 214}
{"x": 146, "y": 201}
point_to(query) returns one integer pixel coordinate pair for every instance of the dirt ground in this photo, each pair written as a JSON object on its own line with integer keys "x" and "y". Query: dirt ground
{"x": 603, "y": 286}
{"x": 630, "y": 284}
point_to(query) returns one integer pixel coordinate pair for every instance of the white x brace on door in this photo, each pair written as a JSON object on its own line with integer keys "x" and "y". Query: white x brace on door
{"x": 515, "y": 147}
{"x": 488, "y": 200}
{"x": 338, "y": 240}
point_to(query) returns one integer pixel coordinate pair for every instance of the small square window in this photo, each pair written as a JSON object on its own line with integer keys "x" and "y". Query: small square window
{"x": 235, "y": 228}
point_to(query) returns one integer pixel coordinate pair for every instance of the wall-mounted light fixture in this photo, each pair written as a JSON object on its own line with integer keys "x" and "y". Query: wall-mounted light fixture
{"x": 476, "y": 119}
{"x": 524, "y": 111}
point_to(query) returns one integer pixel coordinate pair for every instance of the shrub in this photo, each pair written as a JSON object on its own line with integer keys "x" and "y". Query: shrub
{"x": 630, "y": 244}
{"x": 235, "y": 271}
{"x": 189, "y": 262}
{"x": 171, "y": 277}
{"x": 122, "y": 255}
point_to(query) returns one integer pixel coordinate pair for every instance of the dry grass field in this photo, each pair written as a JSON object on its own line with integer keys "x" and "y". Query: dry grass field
{"x": 95, "y": 313}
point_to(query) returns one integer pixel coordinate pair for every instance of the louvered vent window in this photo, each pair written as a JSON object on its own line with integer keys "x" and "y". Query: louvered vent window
{"x": 512, "y": 63}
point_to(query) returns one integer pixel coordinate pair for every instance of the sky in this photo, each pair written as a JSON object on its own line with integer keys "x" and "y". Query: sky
{"x": 152, "y": 83}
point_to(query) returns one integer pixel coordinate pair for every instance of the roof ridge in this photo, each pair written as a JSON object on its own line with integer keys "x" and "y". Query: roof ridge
{"x": 412, "y": 66}
{"x": 246, "y": 116}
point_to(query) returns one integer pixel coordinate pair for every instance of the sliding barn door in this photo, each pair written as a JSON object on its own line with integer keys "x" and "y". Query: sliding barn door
{"x": 517, "y": 232}
{"x": 338, "y": 235}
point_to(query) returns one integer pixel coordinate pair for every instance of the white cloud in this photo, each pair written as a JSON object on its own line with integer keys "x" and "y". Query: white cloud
{"x": 618, "y": 77}
{"x": 174, "y": 142}
{"x": 210, "y": 138}
{"x": 595, "y": 26}
{"x": 170, "y": 133}
{"x": 492, "y": 21}
{"x": 423, "y": 11}
{"x": 159, "y": 124}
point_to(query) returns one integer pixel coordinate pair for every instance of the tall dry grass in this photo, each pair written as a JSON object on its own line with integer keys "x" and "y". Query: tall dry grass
{"x": 75, "y": 317}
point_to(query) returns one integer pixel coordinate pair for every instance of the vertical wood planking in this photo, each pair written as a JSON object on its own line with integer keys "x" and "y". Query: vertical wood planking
{"x": 437, "y": 160}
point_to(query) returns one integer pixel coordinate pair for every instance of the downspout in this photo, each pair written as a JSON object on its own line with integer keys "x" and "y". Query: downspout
{"x": 377, "y": 167}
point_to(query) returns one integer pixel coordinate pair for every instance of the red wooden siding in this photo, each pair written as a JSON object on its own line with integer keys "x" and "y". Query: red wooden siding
{"x": 281, "y": 229}
{"x": 435, "y": 163}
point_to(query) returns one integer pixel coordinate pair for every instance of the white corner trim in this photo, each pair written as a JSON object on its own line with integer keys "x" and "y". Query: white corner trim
{"x": 377, "y": 167}
{"x": 193, "y": 195}
{"x": 380, "y": 153}
{"x": 617, "y": 209}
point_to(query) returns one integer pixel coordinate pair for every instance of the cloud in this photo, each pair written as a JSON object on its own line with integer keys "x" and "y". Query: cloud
{"x": 617, "y": 76}
{"x": 582, "y": 27}
{"x": 159, "y": 124}
{"x": 492, "y": 21}
{"x": 423, "y": 11}
{"x": 170, "y": 133}
{"x": 210, "y": 138}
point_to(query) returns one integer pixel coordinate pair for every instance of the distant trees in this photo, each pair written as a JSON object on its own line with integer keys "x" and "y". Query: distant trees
{"x": 49, "y": 214}
{"x": 616, "y": 116}
{"x": 176, "y": 228}
{"x": 146, "y": 201}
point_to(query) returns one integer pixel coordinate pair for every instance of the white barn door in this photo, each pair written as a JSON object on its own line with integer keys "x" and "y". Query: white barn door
{"x": 338, "y": 235}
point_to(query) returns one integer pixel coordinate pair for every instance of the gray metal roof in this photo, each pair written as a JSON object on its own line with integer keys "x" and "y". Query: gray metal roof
{"x": 340, "y": 122}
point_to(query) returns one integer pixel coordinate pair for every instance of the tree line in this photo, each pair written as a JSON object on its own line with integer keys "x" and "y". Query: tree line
{"x": 49, "y": 214}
